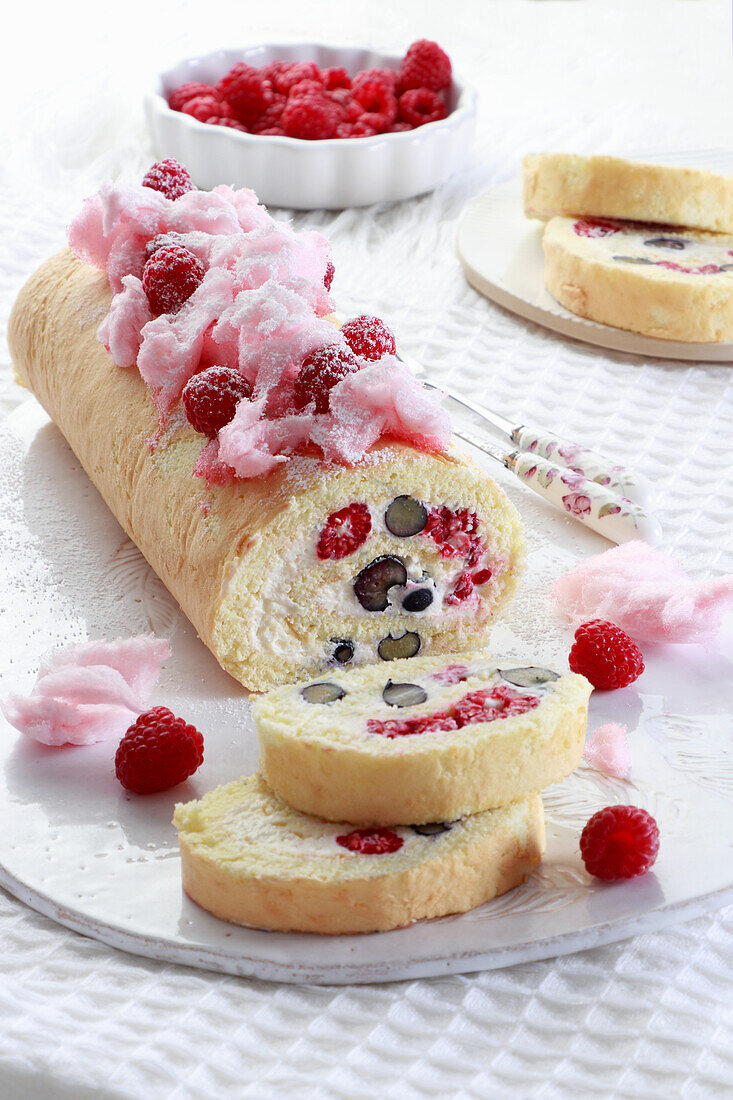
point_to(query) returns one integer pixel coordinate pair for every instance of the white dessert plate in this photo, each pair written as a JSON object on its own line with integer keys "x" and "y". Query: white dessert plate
{"x": 501, "y": 253}
{"x": 76, "y": 847}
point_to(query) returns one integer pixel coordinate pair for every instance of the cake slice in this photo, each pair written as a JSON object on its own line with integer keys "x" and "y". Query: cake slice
{"x": 249, "y": 858}
{"x": 612, "y": 187}
{"x": 673, "y": 284}
{"x": 431, "y": 739}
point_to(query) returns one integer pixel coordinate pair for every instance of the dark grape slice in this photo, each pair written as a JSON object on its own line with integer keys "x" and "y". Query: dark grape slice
{"x": 403, "y": 695}
{"x": 633, "y": 260}
{"x": 392, "y": 649}
{"x": 405, "y": 517}
{"x": 374, "y": 581}
{"x": 667, "y": 242}
{"x": 417, "y": 600}
{"x": 529, "y": 677}
{"x": 326, "y": 692}
{"x": 343, "y": 650}
{"x": 432, "y": 828}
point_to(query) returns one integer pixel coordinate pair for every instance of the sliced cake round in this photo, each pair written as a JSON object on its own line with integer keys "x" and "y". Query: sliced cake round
{"x": 675, "y": 285}
{"x": 249, "y": 858}
{"x": 432, "y": 739}
{"x": 612, "y": 187}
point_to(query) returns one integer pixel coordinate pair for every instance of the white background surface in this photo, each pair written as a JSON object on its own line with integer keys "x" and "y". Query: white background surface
{"x": 647, "y": 1018}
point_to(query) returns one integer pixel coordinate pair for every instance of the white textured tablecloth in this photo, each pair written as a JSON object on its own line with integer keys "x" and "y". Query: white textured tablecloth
{"x": 650, "y": 1017}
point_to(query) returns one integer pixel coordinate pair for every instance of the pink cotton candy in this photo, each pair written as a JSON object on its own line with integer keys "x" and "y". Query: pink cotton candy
{"x": 607, "y": 749}
{"x": 121, "y": 330}
{"x": 253, "y": 446}
{"x": 88, "y": 692}
{"x": 645, "y": 592}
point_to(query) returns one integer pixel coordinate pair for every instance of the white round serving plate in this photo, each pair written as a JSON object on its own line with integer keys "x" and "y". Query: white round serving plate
{"x": 501, "y": 253}
{"x": 78, "y": 848}
{"x": 310, "y": 175}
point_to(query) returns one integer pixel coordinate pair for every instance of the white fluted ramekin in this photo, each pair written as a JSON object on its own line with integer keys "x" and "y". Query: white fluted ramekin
{"x": 310, "y": 175}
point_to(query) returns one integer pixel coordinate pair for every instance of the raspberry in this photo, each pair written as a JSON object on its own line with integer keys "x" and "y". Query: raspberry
{"x": 425, "y": 65}
{"x": 420, "y": 105}
{"x": 162, "y": 240}
{"x": 385, "y": 77}
{"x": 305, "y": 87}
{"x": 351, "y": 109}
{"x": 319, "y": 373}
{"x": 336, "y": 78}
{"x": 292, "y": 74}
{"x": 484, "y": 705}
{"x": 170, "y": 277}
{"x": 272, "y": 71}
{"x": 481, "y": 576}
{"x": 182, "y": 95}
{"x": 605, "y": 655}
{"x": 312, "y": 116}
{"x": 271, "y": 131}
{"x": 204, "y": 107}
{"x": 378, "y": 101}
{"x": 345, "y": 531}
{"x": 211, "y": 398}
{"x": 619, "y": 842}
{"x": 169, "y": 177}
{"x": 463, "y": 589}
{"x": 328, "y": 277}
{"x": 587, "y": 228}
{"x": 454, "y": 533}
{"x": 369, "y": 337}
{"x": 452, "y": 674}
{"x": 246, "y": 92}
{"x": 271, "y": 116}
{"x": 371, "y": 842}
{"x": 360, "y": 129}
{"x": 232, "y": 123}
{"x": 158, "y": 751}
{"x": 400, "y": 127}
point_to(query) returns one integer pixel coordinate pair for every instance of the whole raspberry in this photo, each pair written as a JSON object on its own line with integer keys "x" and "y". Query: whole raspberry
{"x": 379, "y": 103}
{"x": 271, "y": 131}
{"x": 230, "y": 123}
{"x": 204, "y": 107}
{"x": 312, "y": 116}
{"x": 319, "y": 373}
{"x": 369, "y": 337}
{"x": 271, "y": 116}
{"x": 163, "y": 240}
{"x": 328, "y": 277}
{"x": 336, "y": 78}
{"x": 169, "y": 177}
{"x": 345, "y": 531}
{"x": 187, "y": 91}
{"x": 605, "y": 655}
{"x": 361, "y": 129}
{"x": 170, "y": 277}
{"x": 425, "y": 65}
{"x": 292, "y": 74}
{"x": 420, "y": 105}
{"x": 210, "y": 398}
{"x": 385, "y": 77}
{"x": 304, "y": 87}
{"x": 619, "y": 842}
{"x": 158, "y": 751}
{"x": 351, "y": 109}
{"x": 272, "y": 71}
{"x": 400, "y": 127}
{"x": 371, "y": 842}
{"x": 246, "y": 91}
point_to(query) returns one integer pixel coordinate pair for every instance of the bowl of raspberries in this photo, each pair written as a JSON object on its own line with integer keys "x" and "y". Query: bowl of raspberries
{"x": 310, "y": 126}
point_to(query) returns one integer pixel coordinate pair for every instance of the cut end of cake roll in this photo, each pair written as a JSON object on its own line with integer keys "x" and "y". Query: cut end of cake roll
{"x": 407, "y": 553}
{"x": 248, "y": 858}
{"x": 671, "y": 284}
{"x": 614, "y": 187}
{"x": 432, "y": 739}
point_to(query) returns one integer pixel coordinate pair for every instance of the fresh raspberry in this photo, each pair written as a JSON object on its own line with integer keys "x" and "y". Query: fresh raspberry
{"x": 385, "y": 77}
{"x": 328, "y": 277}
{"x": 170, "y": 277}
{"x": 481, "y": 576}
{"x": 345, "y": 531}
{"x": 371, "y": 842}
{"x": 169, "y": 177}
{"x": 420, "y": 105}
{"x": 246, "y": 92}
{"x": 587, "y": 228}
{"x": 369, "y": 337}
{"x": 272, "y": 71}
{"x": 351, "y": 109}
{"x": 182, "y": 95}
{"x": 425, "y": 65}
{"x": 361, "y": 129}
{"x": 312, "y": 116}
{"x": 320, "y": 372}
{"x": 158, "y": 751}
{"x": 452, "y": 674}
{"x": 163, "y": 240}
{"x": 619, "y": 842}
{"x": 292, "y": 74}
{"x": 271, "y": 131}
{"x": 410, "y": 727}
{"x": 231, "y": 123}
{"x": 210, "y": 398}
{"x": 305, "y": 87}
{"x": 204, "y": 107}
{"x": 271, "y": 116}
{"x": 336, "y": 78}
{"x": 462, "y": 590}
{"x": 400, "y": 127}
{"x": 484, "y": 705}
{"x": 605, "y": 655}
{"x": 379, "y": 103}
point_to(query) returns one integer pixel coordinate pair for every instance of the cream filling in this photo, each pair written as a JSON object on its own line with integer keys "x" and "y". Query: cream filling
{"x": 687, "y": 251}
